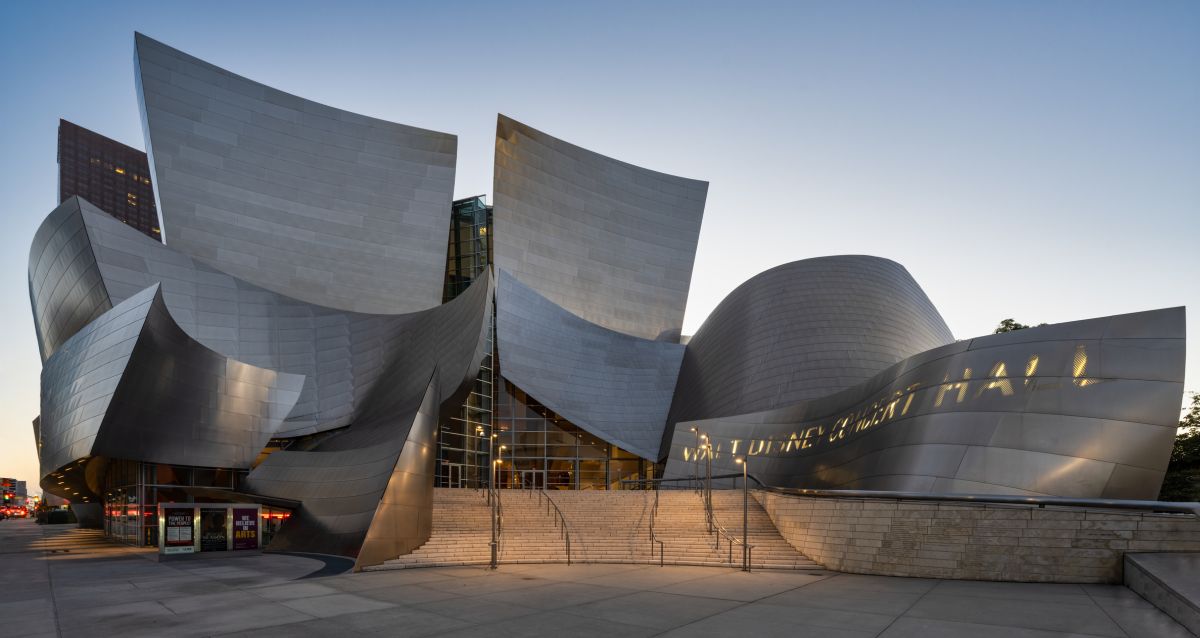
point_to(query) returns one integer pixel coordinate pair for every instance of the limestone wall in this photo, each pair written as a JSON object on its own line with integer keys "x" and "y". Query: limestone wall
{"x": 974, "y": 541}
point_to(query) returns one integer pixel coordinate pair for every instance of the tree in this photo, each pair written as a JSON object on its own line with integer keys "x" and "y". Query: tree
{"x": 1182, "y": 482}
{"x": 1009, "y": 325}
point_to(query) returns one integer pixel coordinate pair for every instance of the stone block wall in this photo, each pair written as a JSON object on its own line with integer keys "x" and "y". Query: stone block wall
{"x": 974, "y": 541}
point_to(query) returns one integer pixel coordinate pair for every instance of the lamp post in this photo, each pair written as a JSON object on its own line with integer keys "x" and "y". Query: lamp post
{"x": 502, "y": 449}
{"x": 708, "y": 481}
{"x": 495, "y": 515}
{"x": 696, "y": 457}
{"x": 480, "y": 432}
{"x": 745, "y": 463}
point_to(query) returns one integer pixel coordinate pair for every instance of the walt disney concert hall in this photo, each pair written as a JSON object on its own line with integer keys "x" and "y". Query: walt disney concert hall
{"x": 323, "y": 331}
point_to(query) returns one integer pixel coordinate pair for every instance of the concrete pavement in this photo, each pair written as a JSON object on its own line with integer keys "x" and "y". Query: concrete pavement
{"x": 63, "y": 581}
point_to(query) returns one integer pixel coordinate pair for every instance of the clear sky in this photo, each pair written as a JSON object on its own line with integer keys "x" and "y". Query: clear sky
{"x": 1036, "y": 160}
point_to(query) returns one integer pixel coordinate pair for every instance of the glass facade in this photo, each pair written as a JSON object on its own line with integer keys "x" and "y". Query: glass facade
{"x": 470, "y": 247}
{"x": 462, "y": 437}
{"x": 535, "y": 447}
{"x": 538, "y": 449}
{"x": 133, "y": 490}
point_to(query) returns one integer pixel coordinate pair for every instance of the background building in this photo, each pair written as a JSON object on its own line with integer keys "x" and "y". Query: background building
{"x": 112, "y": 176}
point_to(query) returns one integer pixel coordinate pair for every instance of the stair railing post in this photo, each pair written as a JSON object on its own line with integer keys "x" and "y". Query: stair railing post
{"x": 745, "y": 462}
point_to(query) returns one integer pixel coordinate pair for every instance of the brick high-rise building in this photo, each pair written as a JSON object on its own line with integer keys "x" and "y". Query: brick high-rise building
{"x": 112, "y": 176}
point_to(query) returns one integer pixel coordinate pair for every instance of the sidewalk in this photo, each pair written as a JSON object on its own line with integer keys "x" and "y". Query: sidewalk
{"x": 97, "y": 589}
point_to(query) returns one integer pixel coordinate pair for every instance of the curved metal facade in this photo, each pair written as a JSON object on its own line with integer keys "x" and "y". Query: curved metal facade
{"x": 376, "y": 476}
{"x": 340, "y": 354}
{"x": 131, "y": 384}
{"x": 1085, "y": 409}
{"x": 66, "y": 289}
{"x": 319, "y": 204}
{"x": 802, "y": 331}
{"x": 613, "y": 385}
{"x": 609, "y": 242}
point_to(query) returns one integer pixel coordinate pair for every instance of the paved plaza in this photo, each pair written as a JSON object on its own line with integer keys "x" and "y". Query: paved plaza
{"x": 62, "y": 581}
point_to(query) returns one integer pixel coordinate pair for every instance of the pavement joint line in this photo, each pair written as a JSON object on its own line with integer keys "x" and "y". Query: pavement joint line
{"x": 1110, "y": 617}
{"x": 50, "y": 586}
{"x": 937, "y": 583}
{"x": 725, "y": 611}
{"x": 1072, "y": 632}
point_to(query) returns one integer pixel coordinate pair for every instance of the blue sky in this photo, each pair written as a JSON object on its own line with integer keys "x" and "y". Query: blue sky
{"x": 1036, "y": 160}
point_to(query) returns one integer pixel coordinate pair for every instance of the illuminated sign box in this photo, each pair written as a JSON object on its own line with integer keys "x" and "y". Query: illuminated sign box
{"x": 194, "y": 528}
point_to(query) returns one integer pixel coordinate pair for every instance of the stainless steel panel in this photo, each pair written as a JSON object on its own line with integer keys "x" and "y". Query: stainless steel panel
{"x": 385, "y": 453}
{"x": 340, "y": 353}
{"x": 613, "y": 385}
{"x": 1011, "y": 413}
{"x": 66, "y": 290}
{"x": 319, "y": 204}
{"x": 802, "y": 331}
{"x": 609, "y": 242}
{"x": 132, "y": 384}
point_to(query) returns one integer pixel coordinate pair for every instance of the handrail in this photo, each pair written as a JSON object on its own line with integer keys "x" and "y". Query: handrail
{"x": 720, "y": 531}
{"x": 654, "y": 537}
{"x": 566, "y": 533}
{"x": 1170, "y": 507}
{"x": 689, "y": 479}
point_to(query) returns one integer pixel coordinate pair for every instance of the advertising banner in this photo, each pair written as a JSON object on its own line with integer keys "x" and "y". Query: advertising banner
{"x": 245, "y": 528}
{"x": 177, "y": 532}
{"x": 213, "y": 536}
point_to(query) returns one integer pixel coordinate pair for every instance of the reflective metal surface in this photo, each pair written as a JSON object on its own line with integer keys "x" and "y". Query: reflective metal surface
{"x": 613, "y": 385}
{"x": 131, "y": 384}
{"x": 367, "y": 481}
{"x": 323, "y": 205}
{"x": 609, "y": 242}
{"x": 66, "y": 289}
{"x": 340, "y": 354}
{"x": 1080, "y": 409}
{"x": 802, "y": 331}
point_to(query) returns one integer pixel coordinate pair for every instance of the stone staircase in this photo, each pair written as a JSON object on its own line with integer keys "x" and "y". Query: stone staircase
{"x": 771, "y": 550}
{"x": 605, "y": 527}
{"x": 532, "y": 533}
{"x": 461, "y": 533}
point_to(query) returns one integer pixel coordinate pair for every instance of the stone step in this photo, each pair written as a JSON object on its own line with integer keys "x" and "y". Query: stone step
{"x": 609, "y": 527}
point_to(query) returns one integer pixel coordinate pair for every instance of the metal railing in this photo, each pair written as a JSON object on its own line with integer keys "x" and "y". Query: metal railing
{"x": 1164, "y": 507}
{"x": 719, "y": 530}
{"x": 654, "y": 537}
{"x": 558, "y": 519}
{"x": 714, "y": 526}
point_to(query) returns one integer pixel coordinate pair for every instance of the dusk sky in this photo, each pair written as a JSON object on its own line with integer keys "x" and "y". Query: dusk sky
{"x": 1034, "y": 160}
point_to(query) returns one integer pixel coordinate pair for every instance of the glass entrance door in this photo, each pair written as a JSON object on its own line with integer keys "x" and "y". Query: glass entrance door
{"x": 533, "y": 479}
{"x": 456, "y": 475}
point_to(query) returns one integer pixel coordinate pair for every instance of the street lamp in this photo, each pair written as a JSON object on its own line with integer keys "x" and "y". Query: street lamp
{"x": 502, "y": 449}
{"x": 745, "y": 463}
{"x": 696, "y": 457}
{"x": 479, "y": 432}
{"x": 708, "y": 481}
{"x": 495, "y": 515}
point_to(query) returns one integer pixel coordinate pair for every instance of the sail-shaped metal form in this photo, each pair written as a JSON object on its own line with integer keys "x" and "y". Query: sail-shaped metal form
{"x": 323, "y": 205}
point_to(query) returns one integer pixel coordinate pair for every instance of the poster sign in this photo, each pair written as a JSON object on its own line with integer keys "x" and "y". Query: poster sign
{"x": 245, "y": 528}
{"x": 213, "y": 536}
{"x": 177, "y": 537}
